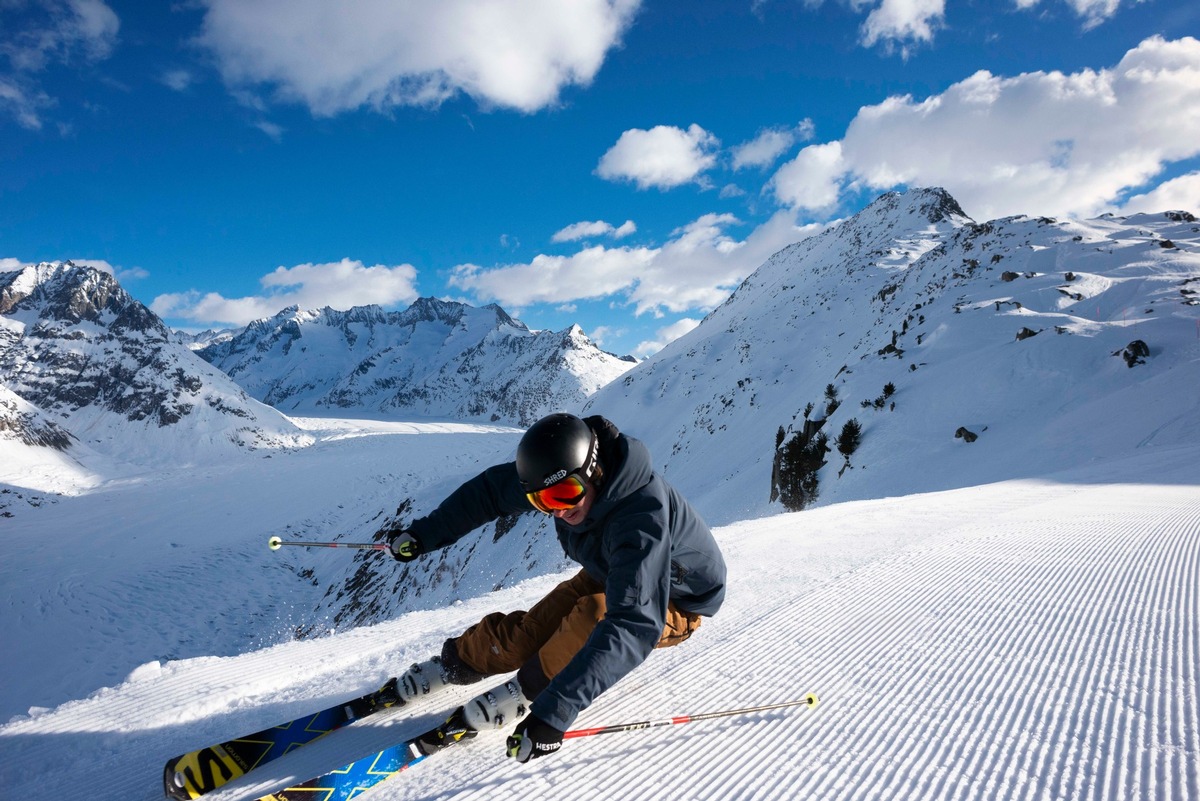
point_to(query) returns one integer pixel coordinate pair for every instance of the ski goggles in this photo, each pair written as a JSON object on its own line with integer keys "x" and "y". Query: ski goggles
{"x": 565, "y": 494}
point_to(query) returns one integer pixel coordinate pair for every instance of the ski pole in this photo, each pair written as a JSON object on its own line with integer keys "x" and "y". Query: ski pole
{"x": 275, "y": 543}
{"x": 809, "y": 700}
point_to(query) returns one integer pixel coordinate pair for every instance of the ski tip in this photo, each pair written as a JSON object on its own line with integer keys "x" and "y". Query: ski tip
{"x": 275, "y": 543}
{"x": 811, "y": 699}
{"x": 174, "y": 785}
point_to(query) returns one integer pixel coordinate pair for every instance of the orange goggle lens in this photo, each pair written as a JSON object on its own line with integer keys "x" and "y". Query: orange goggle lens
{"x": 566, "y": 494}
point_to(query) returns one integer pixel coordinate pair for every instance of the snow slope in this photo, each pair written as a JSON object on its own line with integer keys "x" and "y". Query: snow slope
{"x": 910, "y": 292}
{"x": 172, "y": 564}
{"x": 1031, "y": 639}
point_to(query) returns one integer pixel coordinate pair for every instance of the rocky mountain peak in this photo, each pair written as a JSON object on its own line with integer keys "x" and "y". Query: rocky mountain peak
{"x": 915, "y": 209}
{"x": 67, "y": 293}
{"x": 95, "y": 362}
{"x": 934, "y": 204}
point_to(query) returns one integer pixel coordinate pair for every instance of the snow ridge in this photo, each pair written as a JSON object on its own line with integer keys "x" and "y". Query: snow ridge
{"x": 435, "y": 359}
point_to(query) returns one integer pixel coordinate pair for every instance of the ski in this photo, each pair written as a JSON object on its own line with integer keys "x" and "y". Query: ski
{"x": 353, "y": 778}
{"x": 195, "y": 773}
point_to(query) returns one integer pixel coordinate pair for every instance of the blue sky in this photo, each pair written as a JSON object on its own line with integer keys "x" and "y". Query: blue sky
{"x": 613, "y": 163}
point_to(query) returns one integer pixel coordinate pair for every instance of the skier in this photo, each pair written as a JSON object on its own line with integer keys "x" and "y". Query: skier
{"x": 651, "y": 570}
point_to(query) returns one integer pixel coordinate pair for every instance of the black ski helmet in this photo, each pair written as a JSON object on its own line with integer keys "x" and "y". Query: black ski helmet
{"x": 555, "y": 447}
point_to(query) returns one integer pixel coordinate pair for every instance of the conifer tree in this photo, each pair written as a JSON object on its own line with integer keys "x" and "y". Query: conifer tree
{"x": 850, "y": 438}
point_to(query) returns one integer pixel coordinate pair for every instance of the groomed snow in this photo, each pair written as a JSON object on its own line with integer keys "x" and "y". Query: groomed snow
{"x": 1031, "y": 639}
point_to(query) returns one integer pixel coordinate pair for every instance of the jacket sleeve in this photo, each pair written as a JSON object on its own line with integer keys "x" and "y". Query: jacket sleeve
{"x": 492, "y": 494}
{"x": 636, "y": 595}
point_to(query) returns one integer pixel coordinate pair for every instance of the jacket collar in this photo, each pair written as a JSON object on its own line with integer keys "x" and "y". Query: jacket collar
{"x": 628, "y": 469}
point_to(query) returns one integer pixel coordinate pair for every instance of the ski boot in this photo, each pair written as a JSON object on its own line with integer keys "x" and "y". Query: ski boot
{"x": 436, "y": 673}
{"x": 487, "y": 711}
{"x": 497, "y": 707}
{"x": 421, "y": 679}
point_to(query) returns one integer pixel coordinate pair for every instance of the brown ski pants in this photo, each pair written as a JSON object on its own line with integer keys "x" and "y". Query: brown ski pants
{"x": 554, "y": 630}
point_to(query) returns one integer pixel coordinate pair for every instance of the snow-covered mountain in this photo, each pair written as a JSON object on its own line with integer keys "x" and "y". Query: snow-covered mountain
{"x": 82, "y": 362}
{"x": 205, "y": 338}
{"x": 434, "y": 359}
{"x": 1042, "y": 617}
{"x": 1021, "y": 332}
{"x": 1049, "y": 341}
{"x": 25, "y": 423}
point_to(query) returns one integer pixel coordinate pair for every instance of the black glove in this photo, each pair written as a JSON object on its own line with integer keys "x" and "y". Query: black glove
{"x": 533, "y": 738}
{"x": 404, "y": 546}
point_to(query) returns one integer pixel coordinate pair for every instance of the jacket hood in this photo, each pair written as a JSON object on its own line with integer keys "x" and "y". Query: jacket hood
{"x": 632, "y": 470}
{"x": 627, "y": 468}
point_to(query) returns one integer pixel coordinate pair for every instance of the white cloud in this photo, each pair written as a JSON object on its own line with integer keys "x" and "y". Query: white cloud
{"x": 624, "y": 229}
{"x": 1045, "y": 143}
{"x": 1093, "y": 12}
{"x": 58, "y": 32}
{"x": 340, "y": 285}
{"x": 126, "y": 275}
{"x": 813, "y": 179}
{"x": 901, "y": 25}
{"x": 270, "y": 129}
{"x": 179, "y": 80}
{"x": 333, "y": 57}
{"x": 897, "y": 22}
{"x": 771, "y": 143}
{"x": 1178, "y": 194}
{"x": 696, "y": 269}
{"x": 582, "y": 230}
{"x": 665, "y": 336}
{"x": 23, "y": 101}
{"x": 587, "y": 230}
{"x": 593, "y": 272}
{"x": 601, "y": 333}
{"x": 51, "y": 32}
{"x": 663, "y": 157}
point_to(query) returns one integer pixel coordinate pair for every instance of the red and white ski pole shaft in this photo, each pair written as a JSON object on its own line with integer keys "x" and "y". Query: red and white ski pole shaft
{"x": 809, "y": 700}
{"x": 275, "y": 543}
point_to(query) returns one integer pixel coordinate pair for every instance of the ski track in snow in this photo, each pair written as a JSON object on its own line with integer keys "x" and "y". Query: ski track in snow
{"x": 1026, "y": 640}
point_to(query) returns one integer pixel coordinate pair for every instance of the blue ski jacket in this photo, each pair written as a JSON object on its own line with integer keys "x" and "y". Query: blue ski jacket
{"x": 642, "y": 540}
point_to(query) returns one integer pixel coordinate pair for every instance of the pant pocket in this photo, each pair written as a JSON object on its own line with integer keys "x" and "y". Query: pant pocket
{"x": 680, "y": 626}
